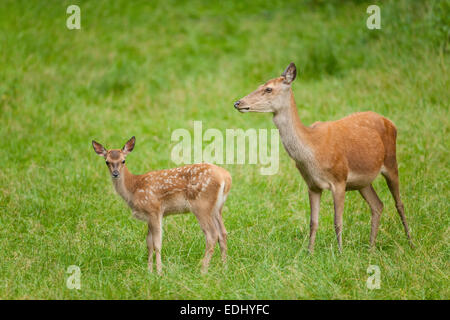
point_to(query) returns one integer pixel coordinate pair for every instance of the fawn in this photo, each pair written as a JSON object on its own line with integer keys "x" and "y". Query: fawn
{"x": 347, "y": 154}
{"x": 198, "y": 188}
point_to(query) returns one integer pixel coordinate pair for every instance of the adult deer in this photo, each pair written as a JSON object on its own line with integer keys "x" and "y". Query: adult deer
{"x": 198, "y": 188}
{"x": 341, "y": 155}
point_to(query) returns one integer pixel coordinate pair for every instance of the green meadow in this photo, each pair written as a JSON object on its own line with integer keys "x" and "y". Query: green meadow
{"x": 146, "y": 68}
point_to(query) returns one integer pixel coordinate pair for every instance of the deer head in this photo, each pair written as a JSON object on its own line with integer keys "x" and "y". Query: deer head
{"x": 115, "y": 158}
{"x": 272, "y": 96}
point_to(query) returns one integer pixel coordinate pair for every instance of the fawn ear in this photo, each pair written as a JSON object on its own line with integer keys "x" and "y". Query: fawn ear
{"x": 290, "y": 73}
{"x": 129, "y": 146}
{"x": 99, "y": 149}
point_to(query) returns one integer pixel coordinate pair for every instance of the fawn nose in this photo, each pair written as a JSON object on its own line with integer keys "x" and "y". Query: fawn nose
{"x": 115, "y": 173}
{"x": 237, "y": 103}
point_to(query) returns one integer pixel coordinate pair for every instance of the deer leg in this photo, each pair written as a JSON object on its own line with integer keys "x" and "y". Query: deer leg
{"x": 338, "y": 198}
{"x": 156, "y": 230}
{"x": 391, "y": 176}
{"x": 222, "y": 232}
{"x": 208, "y": 227}
{"x": 150, "y": 249}
{"x": 211, "y": 240}
{"x": 314, "y": 204}
{"x": 376, "y": 207}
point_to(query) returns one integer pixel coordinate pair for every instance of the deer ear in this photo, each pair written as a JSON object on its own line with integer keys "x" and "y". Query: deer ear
{"x": 99, "y": 149}
{"x": 129, "y": 146}
{"x": 290, "y": 73}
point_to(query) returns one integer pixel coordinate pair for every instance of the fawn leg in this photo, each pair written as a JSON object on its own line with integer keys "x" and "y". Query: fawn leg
{"x": 156, "y": 230}
{"x": 206, "y": 221}
{"x": 150, "y": 249}
{"x": 222, "y": 232}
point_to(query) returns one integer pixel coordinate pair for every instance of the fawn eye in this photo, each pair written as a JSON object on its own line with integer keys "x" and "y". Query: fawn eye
{"x": 268, "y": 90}
{"x": 123, "y": 161}
{"x": 107, "y": 163}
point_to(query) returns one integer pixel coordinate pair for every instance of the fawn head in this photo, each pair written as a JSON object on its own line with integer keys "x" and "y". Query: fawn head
{"x": 271, "y": 96}
{"x": 115, "y": 158}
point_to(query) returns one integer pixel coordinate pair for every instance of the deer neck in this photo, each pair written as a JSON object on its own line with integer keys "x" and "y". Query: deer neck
{"x": 124, "y": 185}
{"x": 294, "y": 135}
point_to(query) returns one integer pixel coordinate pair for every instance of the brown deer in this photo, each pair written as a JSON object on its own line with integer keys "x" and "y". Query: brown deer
{"x": 198, "y": 188}
{"x": 347, "y": 154}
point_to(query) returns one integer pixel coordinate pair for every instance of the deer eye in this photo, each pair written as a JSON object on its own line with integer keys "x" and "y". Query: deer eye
{"x": 268, "y": 90}
{"x": 123, "y": 161}
{"x": 107, "y": 163}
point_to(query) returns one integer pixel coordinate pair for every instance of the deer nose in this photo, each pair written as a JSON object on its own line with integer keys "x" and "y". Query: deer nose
{"x": 115, "y": 173}
{"x": 237, "y": 103}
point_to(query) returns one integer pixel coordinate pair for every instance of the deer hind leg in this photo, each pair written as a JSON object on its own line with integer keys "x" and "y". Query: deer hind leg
{"x": 390, "y": 173}
{"x": 211, "y": 236}
{"x": 222, "y": 232}
{"x": 205, "y": 217}
{"x": 218, "y": 219}
{"x": 376, "y": 207}
{"x": 150, "y": 249}
{"x": 339, "y": 199}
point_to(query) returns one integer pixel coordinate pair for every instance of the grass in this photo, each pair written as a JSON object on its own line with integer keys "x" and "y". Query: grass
{"x": 146, "y": 68}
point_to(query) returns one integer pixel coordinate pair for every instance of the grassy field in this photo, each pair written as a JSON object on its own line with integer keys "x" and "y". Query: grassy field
{"x": 145, "y": 68}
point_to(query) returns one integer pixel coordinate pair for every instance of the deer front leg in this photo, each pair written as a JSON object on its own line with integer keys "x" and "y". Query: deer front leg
{"x": 155, "y": 229}
{"x": 314, "y": 204}
{"x": 338, "y": 198}
{"x": 150, "y": 249}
